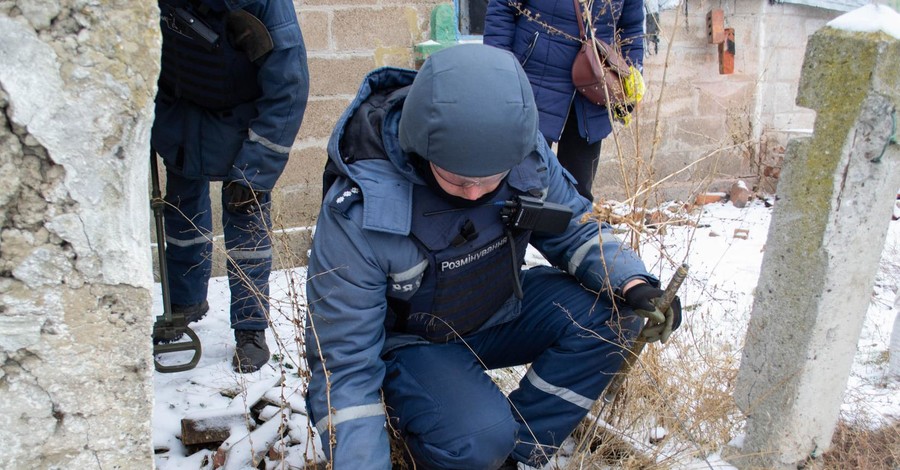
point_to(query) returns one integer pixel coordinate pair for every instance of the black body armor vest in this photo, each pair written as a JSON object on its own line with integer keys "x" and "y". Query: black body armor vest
{"x": 473, "y": 264}
{"x": 199, "y": 63}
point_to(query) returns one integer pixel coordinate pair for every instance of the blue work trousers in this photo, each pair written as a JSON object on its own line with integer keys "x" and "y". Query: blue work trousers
{"x": 188, "y": 224}
{"x": 453, "y": 416}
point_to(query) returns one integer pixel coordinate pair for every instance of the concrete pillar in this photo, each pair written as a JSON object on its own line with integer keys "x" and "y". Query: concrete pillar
{"x": 77, "y": 81}
{"x": 828, "y": 228}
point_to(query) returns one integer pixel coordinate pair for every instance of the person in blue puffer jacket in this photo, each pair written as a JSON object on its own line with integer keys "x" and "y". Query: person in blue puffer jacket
{"x": 233, "y": 89}
{"x": 415, "y": 283}
{"x": 544, "y": 36}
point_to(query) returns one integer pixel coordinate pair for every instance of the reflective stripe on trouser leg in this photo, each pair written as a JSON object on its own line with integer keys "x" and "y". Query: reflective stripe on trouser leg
{"x": 447, "y": 408}
{"x": 573, "y": 341}
{"x": 249, "y": 251}
{"x": 188, "y": 223}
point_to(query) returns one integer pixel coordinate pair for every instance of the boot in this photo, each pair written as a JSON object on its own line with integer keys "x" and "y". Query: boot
{"x": 191, "y": 314}
{"x": 250, "y": 352}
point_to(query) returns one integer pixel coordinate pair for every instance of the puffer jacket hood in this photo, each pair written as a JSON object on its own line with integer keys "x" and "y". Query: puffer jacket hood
{"x": 470, "y": 111}
{"x": 367, "y": 130}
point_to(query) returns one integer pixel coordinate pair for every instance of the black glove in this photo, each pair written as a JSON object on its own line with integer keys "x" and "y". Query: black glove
{"x": 660, "y": 325}
{"x": 239, "y": 198}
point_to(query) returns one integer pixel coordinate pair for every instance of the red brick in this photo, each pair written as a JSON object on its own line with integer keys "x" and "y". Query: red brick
{"x": 709, "y": 198}
{"x": 726, "y": 53}
{"x": 739, "y": 194}
{"x": 715, "y": 26}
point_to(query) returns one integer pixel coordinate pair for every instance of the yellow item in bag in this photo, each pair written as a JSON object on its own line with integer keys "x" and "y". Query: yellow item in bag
{"x": 634, "y": 86}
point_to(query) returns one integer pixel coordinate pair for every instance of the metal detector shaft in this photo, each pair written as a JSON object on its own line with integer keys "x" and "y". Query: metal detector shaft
{"x": 632, "y": 355}
{"x": 168, "y": 325}
{"x": 157, "y": 204}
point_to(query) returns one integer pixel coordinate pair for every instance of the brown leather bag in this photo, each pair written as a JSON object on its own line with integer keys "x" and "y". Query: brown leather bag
{"x": 598, "y": 75}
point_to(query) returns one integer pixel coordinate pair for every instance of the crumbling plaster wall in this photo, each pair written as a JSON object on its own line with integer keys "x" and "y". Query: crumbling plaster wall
{"x": 77, "y": 80}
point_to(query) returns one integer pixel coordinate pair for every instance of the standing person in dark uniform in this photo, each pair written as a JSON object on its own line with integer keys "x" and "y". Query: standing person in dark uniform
{"x": 545, "y": 40}
{"x": 437, "y": 181}
{"x": 232, "y": 93}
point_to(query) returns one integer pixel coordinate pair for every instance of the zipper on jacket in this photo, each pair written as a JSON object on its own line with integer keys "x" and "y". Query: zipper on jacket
{"x": 566, "y": 120}
{"x": 584, "y": 123}
{"x": 530, "y": 49}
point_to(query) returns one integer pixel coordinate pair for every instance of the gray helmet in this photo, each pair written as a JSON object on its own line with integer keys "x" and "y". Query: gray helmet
{"x": 470, "y": 110}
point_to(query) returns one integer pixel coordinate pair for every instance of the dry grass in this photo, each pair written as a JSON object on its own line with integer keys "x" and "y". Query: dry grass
{"x": 669, "y": 410}
{"x": 858, "y": 447}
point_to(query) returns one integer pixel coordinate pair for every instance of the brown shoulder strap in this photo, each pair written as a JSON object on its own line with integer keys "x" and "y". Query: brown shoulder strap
{"x": 580, "y": 18}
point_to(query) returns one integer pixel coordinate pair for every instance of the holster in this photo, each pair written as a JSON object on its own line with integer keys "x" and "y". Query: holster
{"x": 248, "y": 34}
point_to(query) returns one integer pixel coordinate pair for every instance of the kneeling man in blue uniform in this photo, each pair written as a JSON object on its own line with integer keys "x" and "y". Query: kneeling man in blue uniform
{"x": 436, "y": 183}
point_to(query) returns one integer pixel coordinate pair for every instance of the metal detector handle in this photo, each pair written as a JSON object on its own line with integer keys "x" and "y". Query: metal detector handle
{"x": 631, "y": 357}
{"x": 192, "y": 345}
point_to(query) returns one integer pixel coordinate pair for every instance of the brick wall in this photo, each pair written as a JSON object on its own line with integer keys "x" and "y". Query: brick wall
{"x": 344, "y": 40}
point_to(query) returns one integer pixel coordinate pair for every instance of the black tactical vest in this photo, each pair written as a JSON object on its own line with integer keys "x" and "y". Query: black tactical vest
{"x": 473, "y": 263}
{"x": 213, "y": 75}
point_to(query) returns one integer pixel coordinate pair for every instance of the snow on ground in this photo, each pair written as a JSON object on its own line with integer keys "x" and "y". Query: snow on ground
{"x": 723, "y": 248}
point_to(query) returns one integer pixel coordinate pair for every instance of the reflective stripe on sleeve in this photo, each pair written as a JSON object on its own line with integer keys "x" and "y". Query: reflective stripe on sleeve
{"x": 582, "y": 251}
{"x": 254, "y": 137}
{"x": 410, "y": 273}
{"x": 578, "y": 256}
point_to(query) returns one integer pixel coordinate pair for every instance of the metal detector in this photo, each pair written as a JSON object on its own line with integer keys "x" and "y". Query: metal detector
{"x": 168, "y": 326}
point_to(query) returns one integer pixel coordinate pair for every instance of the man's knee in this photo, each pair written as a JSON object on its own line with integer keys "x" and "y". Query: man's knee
{"x": 484, "y": 448}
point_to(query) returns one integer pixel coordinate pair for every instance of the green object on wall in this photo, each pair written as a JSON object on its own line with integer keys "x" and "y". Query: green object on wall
{"x": 443, "y": 23}
{"x": 443, "y": 32}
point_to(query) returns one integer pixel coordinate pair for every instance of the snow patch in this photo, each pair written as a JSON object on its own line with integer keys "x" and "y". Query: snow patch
{"x": 869, "y": 19}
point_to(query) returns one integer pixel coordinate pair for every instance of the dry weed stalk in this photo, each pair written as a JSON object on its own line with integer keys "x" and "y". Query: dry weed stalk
{"x": 672, "y": 406}
{"x": 294, "y": 311}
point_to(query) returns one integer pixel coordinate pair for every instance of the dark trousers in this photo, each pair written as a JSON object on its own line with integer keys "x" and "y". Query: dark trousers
{"x": 577, "y": 156}
{"x": 453, "y": 416}
{"x": 188, "y": 222}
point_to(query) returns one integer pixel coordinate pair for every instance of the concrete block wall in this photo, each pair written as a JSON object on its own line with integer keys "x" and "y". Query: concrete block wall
{"x": 345, "y": 39}
{"x": 722, "y": 125}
